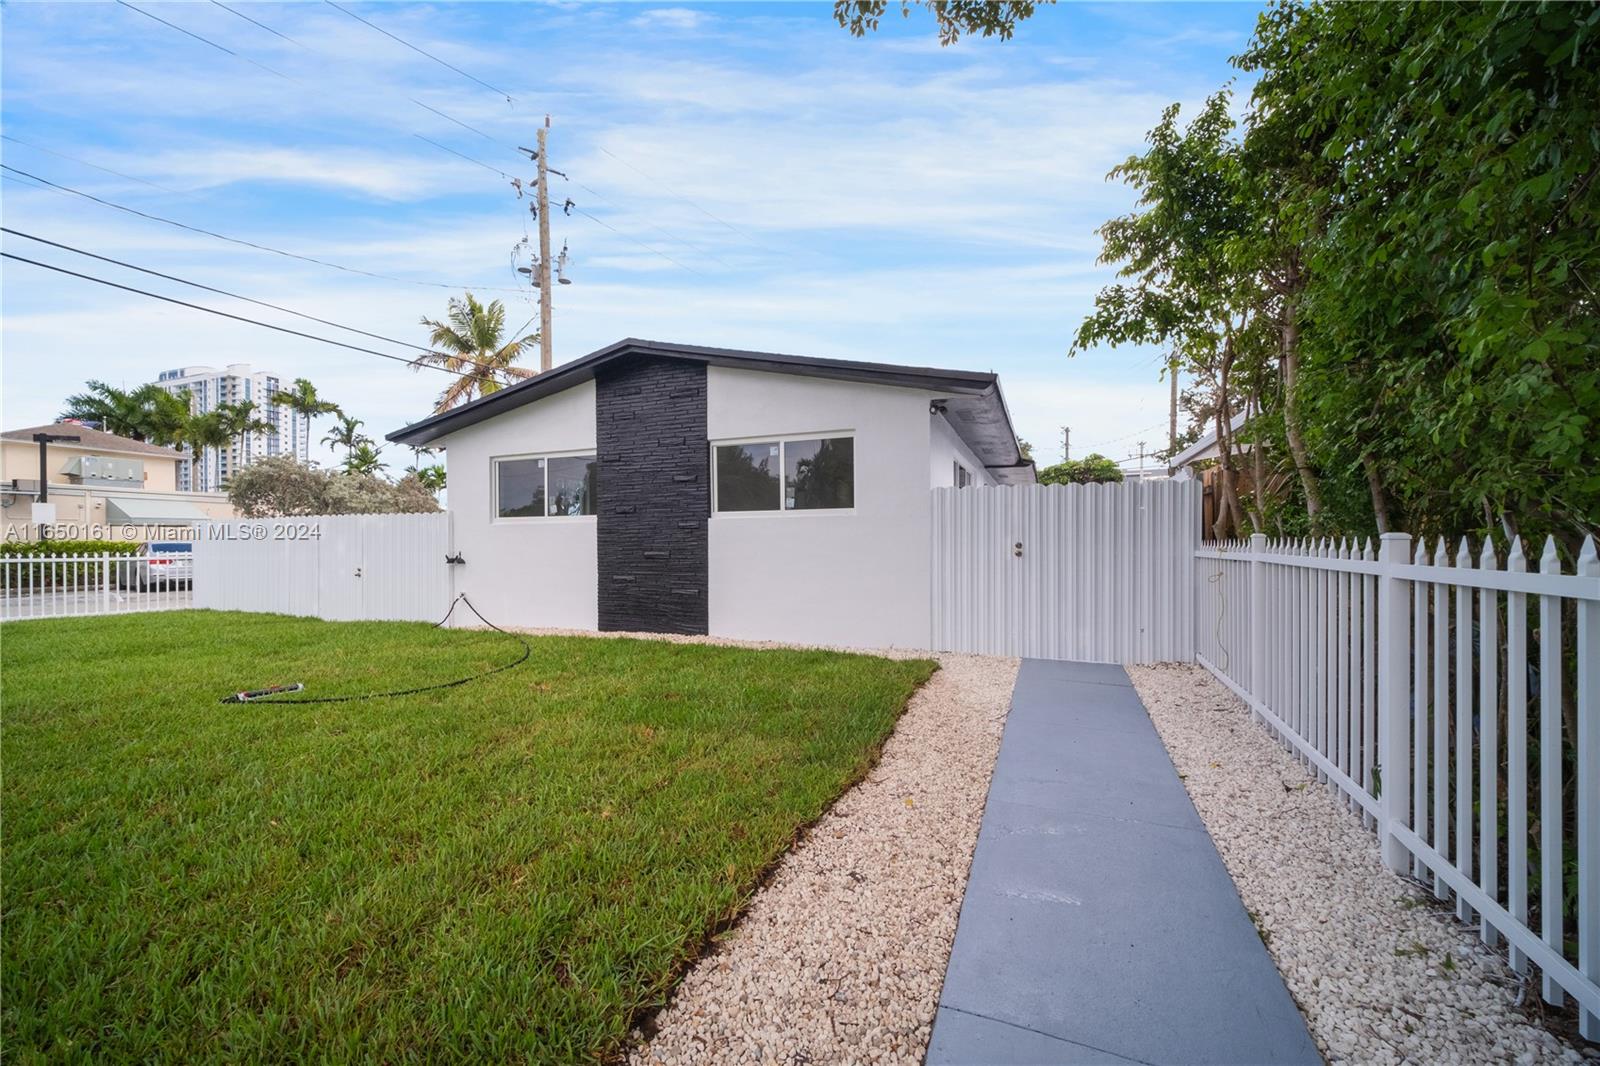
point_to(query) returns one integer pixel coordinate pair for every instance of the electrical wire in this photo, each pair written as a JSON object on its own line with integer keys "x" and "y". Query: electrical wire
{"x": 86, "y": 163}
{"x": 237, "y": 318}
{"x": 527, "y": 651}
{"x": 247, "y": 244}
{"x": 635, "y": 240}
{"x": 421, "y": 52}
{"x": 463, "y": 155}
{"x": 679, "y": 196}
{"x": 203, "y": 40}
{"x": 219, "y": 292}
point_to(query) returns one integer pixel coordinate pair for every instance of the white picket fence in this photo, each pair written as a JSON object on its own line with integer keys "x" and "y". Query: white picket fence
{"x": 73, "y": 585}
{"x": 1099, "y": 573}
{"x": 1413, "y": 683}
{"x": 341, "y": 567}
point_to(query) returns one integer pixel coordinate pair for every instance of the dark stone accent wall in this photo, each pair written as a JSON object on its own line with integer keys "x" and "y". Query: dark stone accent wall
{"x": 655, "y": 495}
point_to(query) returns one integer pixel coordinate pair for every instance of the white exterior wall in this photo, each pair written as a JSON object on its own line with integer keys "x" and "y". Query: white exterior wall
{"x": 946, "y": 449}
{"x": 857, "y": 578}
{"x": 537, "y": 572}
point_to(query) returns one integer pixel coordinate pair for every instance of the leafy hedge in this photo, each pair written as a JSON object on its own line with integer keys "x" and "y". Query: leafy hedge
{"x": 30, "y": 548}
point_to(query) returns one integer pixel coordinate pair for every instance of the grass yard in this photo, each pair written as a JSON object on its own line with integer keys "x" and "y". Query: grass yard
{"x": 509, "y": 869}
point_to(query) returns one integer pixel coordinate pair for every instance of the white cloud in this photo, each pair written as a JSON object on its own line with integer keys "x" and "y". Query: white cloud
{"x": 672, "y": 18}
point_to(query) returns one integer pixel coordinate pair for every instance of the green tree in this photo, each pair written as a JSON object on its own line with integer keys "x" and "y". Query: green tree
{"x": 303, "y": 399}
{"x": 985, "y": 18}
{"x": 1090, "y": 469}
{"x": 364, "y": 459}
{"x": 429, "y": 477}
{"x": 471, "y": 344}
{"x": 1187, "y": 283}
{"x": 1449, "y": 305}
{"x": 281, "y": 486}
{"x": 347, "y": 434}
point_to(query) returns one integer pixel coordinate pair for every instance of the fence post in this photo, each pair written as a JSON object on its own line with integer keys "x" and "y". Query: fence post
{"x": 1394, "y": 707}
{"x": 1258, "y": 611}
{"x": 105, "y": 582}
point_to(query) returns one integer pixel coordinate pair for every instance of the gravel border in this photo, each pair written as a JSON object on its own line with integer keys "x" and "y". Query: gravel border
{"x": 1382, "y": 974}
{"x": 841, "y": 954}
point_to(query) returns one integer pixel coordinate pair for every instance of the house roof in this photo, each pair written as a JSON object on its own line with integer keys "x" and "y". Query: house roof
{"x": 975, "y": 407}
{"x": 1206, "y": 447}
{"x": 92, "y": 440}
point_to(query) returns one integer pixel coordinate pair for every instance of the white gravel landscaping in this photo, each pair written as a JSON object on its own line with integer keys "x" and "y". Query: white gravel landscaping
{"x": 1382, "y": 975}
{"x": 841, "y": 955}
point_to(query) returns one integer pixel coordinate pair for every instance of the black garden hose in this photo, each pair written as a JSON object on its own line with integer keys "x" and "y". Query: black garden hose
{"x": 266, "y": 695}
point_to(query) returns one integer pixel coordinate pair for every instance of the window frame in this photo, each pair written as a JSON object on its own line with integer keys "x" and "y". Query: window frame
{"x": 496, "y": 518}
{"x": 782, "y": 439}
{"x": 961, "y": 472}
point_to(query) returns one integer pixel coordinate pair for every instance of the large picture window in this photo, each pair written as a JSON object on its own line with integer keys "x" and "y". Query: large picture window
{"x": 545, "y": 486}
{"x": 802, "y": 474}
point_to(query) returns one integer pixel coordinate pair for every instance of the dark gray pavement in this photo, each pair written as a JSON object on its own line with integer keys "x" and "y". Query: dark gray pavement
{"x": 1099, "y": 923}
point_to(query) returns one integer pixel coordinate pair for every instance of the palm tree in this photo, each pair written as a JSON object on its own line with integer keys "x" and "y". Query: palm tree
{"x": 430, "y": 477}
{"x": 240, "y": 420}
{"x": 303, "y": 400}
{"x": 365, "y": 459}
{"x": 472, "y": 345}
{"x": 166, "y": 414}
{"x": 202, "y": 431}
{"x": 116, "y": 410}
{"x": 347, "y": 434}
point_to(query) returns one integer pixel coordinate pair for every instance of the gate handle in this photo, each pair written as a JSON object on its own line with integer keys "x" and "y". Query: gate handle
{"x": 1016, "y": 549}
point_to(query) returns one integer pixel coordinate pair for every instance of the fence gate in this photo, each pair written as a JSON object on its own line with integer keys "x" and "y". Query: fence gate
{"x": 344, "y": 567}
{"x": 1101, "y": 573}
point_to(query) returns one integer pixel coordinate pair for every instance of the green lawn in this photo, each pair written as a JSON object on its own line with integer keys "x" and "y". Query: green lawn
{"x": 510, "y": 869}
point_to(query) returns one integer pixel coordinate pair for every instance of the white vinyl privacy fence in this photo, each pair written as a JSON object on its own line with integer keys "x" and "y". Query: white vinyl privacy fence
{"x": 1100, "y": 573}
{"x": 341, "y": 567}
{"x": 72, "y": 585}
{"x": 1454, "y": 698}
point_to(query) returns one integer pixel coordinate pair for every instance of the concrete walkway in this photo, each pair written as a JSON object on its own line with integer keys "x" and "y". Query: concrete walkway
{"x": 1099, "y": 923}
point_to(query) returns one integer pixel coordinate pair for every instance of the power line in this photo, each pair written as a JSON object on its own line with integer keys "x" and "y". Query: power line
{"x": 211, "y": 288}
{"x": 635, "y": 240}
{"x": 86, "y": 163}
{"x": 263, "y": 25}
{"x": 463, "y": 155}
{"x": 421, "y": 52}
{"x": 245, "y": 243}
{"x": 678, "y": 195}
{"x": 202, "y": 40}
{"x": 664, "y": 232}
{"x": 301, "y": 44}
{"x": 237, "y": 318}
{"x": 458, "y": 122}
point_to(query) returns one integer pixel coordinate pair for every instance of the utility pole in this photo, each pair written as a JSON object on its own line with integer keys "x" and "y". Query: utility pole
{"x": 1141, "y": 460}
{"x": 543, "y": 281}
{"x": 1172, "y": 415}
{"x": 1066, "y": 443}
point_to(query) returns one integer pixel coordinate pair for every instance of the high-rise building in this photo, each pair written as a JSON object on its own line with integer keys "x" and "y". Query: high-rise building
{"x": 289, "y": 432}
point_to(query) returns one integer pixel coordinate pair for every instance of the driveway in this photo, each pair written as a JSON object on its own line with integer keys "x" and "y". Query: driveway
{"x": 121, "y": 601}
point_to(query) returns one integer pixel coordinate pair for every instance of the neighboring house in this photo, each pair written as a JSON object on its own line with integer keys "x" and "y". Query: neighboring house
{"x": 103, "y": 486}
{"x": 1199, "y": 461}
{"x": 1204, "y": 451}
{"x": 290, "y": 432}
{"x": 681, "y": 489}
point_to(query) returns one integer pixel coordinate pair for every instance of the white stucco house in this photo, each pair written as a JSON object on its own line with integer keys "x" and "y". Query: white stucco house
{"x": 675, "y": 488}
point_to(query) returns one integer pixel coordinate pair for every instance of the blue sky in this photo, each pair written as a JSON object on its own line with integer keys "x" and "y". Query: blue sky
{"x": 764, "y": 181}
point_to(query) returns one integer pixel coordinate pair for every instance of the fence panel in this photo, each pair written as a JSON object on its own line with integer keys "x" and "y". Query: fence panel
{"x": 1100, "y": 573}
{"x": 73, "y": 585}
{"x": 1406, "y": 680}
{"x": 345, "y": 567}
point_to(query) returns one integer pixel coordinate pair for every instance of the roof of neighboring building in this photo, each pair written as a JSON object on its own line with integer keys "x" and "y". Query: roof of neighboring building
{"x": 975, "y": 407}
{"x": 90, "y": 439}
{"x": 1206, "y": 447}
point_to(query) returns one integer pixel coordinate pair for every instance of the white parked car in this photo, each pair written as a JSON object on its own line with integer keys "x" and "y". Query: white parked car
{"x": 162, "y": 564}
